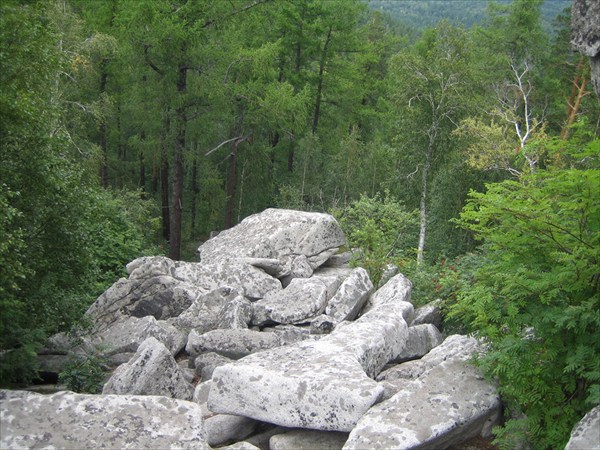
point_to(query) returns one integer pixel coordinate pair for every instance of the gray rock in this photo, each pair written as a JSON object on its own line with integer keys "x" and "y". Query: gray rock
{"x": 421, "y": 339}
{"x": 339, "y": 260}
{"x": 457, "y": 347}
{"x": 120, "y": 358}
{"x": 308, "y": 440}
{"x": 301, "y": 300}
{"x": 201, "y": 396}
{"x": 295, "y": 266}
{"x": 76, "y": 421}
{"x": 429, "y": 313}
{"x": 150, "y": 266}
{"x": 586, "y": 434}
{"x": 322, "y": 324}
{"x": 289, "y": 334}
{"x": 275, "y": 234}
{"x": 322, "y": 384}
{"x": 237, "y": 313}
{"x": 207, "y": 362}
{"x": 397, "y": 289}
{"x": 248, "y": 280}
{"x": 446, "y": 406}
{"x": 232, "y": 343}
{"x": 151, "y": 371}
{"x": 203, "y": 313}
{"x": 127, "y": 335}
{"x": 351, "y": 296}
{"x": 586, "y": 34}
{"x": 223, "y": 428}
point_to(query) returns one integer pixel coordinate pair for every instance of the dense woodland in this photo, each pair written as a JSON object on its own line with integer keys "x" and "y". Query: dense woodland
{"x": 467, "y": 157}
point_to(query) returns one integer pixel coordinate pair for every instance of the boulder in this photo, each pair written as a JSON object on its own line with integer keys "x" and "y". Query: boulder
{"x": 298, "y": 302}
{"x": 439, "y": 401}
{"x": 151, "y": 371}
{"x": 351, "y": 296}
{"x": 232, "y": 343}
{"x": 421, "y": 339}
{"x": 308, "y": 440}
{"x": 223, "y": 428}
{"x": 242, "y": 445}
{"x": 446, "y": 406}
{"x": 236, "y": 313}
{"x": 429, "y": 313}
{"x": 322, "y": 324}
{"x": 389, "y": 271}
{"x": 127, "y": 335}
{"x": 248, "y": 280}
{"x": 206, "y": 363}
{"x": 586, "y": 434}
{"x": 277, "y": 234}
{"x": 324, "y": 384}
{"x": 397, "y": 289}
{"x": 203, "y": 313}
{"x": 75, "y": 421}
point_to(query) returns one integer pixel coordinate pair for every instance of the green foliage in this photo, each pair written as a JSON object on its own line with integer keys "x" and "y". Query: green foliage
{"x": 383, "y": 231}
{"x": 535, "y": 294}
{"x": 84, "y": 374}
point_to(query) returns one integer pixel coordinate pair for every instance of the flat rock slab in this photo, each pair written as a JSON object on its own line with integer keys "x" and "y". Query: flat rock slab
{"x": 446, "y": 404}
{"x": 323, "y": 385}
{"x": 351, "y": 296}
{"x": 75, "y": 421}
{"x": 277, "y": 234}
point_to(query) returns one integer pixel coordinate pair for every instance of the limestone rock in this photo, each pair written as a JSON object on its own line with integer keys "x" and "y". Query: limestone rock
{"x": 127, "y": 335}
{"x": 275, "y": 234}
{"x": 429, "y": 313}
{"x": 351, "y": 296}
{"x": 389, "y": 271}
{"x": 301, "y": 300}
{"x": 222, "y": 428}
{"x": 236, "y": 313}
{"x": 75, "y": 421}
{"x": 242, "y": 445}
{"x": 586, "y": 434}
{"x": 308, "y": 440}
{"x": 397, "y": 289}
{"x": 203, "y": 313}
{"x": 232, "y": 343}
{"x": 322, "y": 384}
{"x": 421, "y": 339}
{"x": 446, "y": 406}
{"x": 457, "y": 347}
{"x": 322, "y": 324}
{"x": 151, "y": 371}
{"x": 248, "y": 280}
{"x": 206, "y": 363}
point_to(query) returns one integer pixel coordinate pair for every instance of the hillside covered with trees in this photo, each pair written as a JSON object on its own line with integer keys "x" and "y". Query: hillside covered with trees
{"x": 467, "y": 157}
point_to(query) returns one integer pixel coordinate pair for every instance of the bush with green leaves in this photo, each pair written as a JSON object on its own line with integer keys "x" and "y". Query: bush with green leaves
{"x": 383, "y": 230}
{"x": 534, "y": 293}
{"x": 84, "y": 374}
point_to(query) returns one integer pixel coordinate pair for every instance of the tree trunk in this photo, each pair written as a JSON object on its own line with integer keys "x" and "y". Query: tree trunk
{"x": 176, "y": 207}
{"x": 164, "y": 180}
{"x": 195, "y": 190}
{"x": 322, "y": 64}
{"x": 232, "y": 166}
{"x": 102, "y": 130}
{"x": 423, "y": 214}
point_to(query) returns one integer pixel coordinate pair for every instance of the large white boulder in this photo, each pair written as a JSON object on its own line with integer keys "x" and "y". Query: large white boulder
{"x": 75, "y": 421}
{"x": 351, "y": 296}
{"x": 277, "y": 234}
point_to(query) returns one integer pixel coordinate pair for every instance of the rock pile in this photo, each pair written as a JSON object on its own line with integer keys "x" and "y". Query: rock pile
{"x": 270, "y": 341}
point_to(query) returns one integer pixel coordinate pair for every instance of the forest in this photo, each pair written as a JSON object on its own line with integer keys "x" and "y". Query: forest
{"x": 468, "y": 157}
